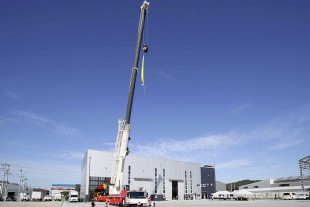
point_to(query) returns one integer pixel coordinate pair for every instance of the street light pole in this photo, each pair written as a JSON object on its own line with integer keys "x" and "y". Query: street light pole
{"x": 2, "y": 186}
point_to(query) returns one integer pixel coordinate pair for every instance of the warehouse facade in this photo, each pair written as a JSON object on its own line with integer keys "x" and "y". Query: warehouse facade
{"x": 164, "y": 179}
{"x": 274, "y": 188}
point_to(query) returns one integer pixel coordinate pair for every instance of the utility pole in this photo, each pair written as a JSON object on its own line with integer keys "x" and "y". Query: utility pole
{"x": 6, "y": 172}
{"x": 7, "y": 178}
{"x": 2, "y": 186}
{"x": 21, "y": 177}
{"x": 25, "y": 185}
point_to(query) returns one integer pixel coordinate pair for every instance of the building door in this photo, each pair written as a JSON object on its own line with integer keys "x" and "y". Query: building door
{"x": 175, "y": 190}
{"x": 204, "y": 195}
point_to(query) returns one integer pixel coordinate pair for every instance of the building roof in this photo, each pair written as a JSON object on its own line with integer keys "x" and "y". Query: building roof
{"x": 291, "y": 178}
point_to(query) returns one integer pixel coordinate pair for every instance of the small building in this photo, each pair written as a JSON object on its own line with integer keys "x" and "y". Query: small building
{"x": 274, "y": 188}
{"x": 165, "y": 179}
{"x": 12, "y": 189}
{"x": 43, "y": 191}
{"x": 63, "y": 188}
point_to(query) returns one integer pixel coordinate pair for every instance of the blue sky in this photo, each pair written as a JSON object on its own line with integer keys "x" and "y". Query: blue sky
{"x": 226, "y": 83}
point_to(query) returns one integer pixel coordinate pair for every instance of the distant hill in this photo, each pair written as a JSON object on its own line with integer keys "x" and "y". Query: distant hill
{"x": 235, "y": 185}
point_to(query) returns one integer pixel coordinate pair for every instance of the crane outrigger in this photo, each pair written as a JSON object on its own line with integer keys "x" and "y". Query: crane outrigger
{"x": 117, "y": 194}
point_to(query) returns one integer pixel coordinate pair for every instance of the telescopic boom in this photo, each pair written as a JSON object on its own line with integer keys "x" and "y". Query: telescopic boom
{"x": 121, "y": 146}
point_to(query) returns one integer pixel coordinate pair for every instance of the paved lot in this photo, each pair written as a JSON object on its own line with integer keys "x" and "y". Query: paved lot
{"x": 204, "y": 203}
{"x": 196, "y": 203}
{"x": 31, "y": 204}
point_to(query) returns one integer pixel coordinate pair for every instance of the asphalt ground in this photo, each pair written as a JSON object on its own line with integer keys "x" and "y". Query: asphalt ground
{"x": 215, "y": 203}
{"x": 191, "y": 203}
{"x": 31, "y": 204}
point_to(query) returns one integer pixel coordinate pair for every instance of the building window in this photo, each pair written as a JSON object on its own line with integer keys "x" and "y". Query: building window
{"x": 164, "y": 182}
{"x": 155, "y": 180}
{"x": 191, "y": 181}
{"x": 129, "y": 175}
{"x": 185, "y": 175}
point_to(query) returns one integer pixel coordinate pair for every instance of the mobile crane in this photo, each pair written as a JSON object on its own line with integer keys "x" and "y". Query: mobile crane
{"x": 118, "y": 195}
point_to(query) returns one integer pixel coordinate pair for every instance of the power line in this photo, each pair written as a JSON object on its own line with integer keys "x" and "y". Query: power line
{"x": 64, "y": 176}
{"x": 49, "y": 170}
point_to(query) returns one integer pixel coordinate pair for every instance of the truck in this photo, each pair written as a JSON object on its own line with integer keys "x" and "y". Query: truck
{"x": 24, "y": 197}
{"x": 139, "y": 198}
{"x": 73, "y": 196}
{"x": 36, "y": 196}
{"x": 57, "y": 197}
{"x": 118, "y": 194}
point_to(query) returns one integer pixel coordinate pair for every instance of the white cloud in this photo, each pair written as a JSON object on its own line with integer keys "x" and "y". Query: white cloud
{"x": 62, "y": 129}
{"x": 277, "y": 134}
{"x": 284, "y": 132}
{"x": 7, "y": 120}
{"x": 166, "y": 76}
{"x": 74, "y": 155}
{"x": 14, "y": 143}
{"x": 33, "y": 117}
{"x": 241, "y": 108}
{"x": 233, "y": 164}
{"x": 59, "y": 128}
{"x": 283, "y": 144}
{"x": 11, "y": 94}
{"x": 182, "y": 148}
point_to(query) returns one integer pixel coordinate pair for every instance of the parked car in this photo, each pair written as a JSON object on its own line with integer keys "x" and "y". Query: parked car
{"x": 25, "y": 198}
{"x": 302, "y": 196}
{"x": 47, "y": 198}
{"x": 10, "y": 198}
{"x": 289, "y": 196}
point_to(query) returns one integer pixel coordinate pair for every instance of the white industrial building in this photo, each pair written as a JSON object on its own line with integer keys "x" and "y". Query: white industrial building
{"x": 166, "y": 179}
{"x": 62, "y": 188}
{"x": 274, "y": 188}
{"x": 9, "y": 189}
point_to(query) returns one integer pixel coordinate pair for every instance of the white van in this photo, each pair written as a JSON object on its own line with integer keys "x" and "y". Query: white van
{"x": 289, "y": 196}
{"x": 73, "y": 196}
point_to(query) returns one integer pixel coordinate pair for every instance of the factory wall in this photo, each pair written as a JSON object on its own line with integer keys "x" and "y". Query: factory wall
{"x": 267, "y": 189}
{"x": 12, "y": 189}
{"x": 168, "y": 178}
